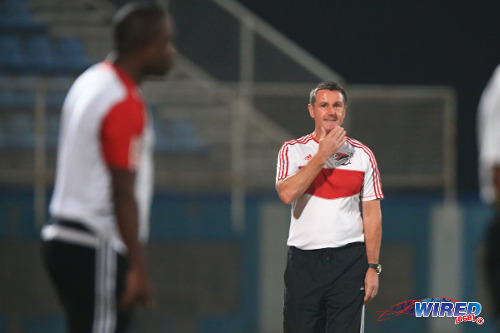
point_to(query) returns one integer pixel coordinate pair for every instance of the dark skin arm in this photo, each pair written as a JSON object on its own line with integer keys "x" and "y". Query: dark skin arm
{"x": 138, "y": 286}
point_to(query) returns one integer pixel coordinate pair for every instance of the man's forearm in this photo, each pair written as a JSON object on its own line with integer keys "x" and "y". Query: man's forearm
{"x": 127, "y": 220}
{"x": 294, "y": 186}
{"x": 126, "y": 213}
{"x": 372, "y": 222}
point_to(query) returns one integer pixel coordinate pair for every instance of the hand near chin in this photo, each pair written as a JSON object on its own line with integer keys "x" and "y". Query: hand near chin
{"x": 330, "y": 143}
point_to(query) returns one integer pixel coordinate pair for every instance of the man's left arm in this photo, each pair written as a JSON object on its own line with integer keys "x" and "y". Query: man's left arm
{"x": 372, "y": 224}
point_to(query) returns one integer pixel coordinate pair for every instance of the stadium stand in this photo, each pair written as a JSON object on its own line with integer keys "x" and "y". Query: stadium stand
{"x": 26, "y": 46}
{"x": 29, "y": 54}
{"x": 15, "y": 17}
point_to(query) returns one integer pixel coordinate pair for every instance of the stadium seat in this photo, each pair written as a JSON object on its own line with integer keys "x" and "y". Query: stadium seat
{"x": 22, "y": 25}
{"x": 11, "y": 54}
{"x": 177, "y": 136}
{"x": 39, "y": 54}
{"x": 70, "y": 53}
{"x": 26, "y": 48}
{"x": 14, "y": 8}
{"x": 15, "y": 17}
{"x": 19, "y": 131}
{"x": 55, "y": 100}
{"x": 23, "y": 99}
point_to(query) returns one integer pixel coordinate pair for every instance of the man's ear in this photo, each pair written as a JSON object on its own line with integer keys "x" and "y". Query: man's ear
{"x": 311, "y": 110}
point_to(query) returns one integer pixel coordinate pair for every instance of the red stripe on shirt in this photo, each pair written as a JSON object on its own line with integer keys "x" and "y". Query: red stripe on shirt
{"x": 336, "y": 183}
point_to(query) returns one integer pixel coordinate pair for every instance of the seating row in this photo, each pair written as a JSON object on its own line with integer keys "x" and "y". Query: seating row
{"x": 17, "y": 132}
{"x": 15, "y": 17}
{"x": 39, "y": 54}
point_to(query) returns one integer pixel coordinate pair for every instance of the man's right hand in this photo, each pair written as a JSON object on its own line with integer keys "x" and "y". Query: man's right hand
{"x": 137, "y": 289}
{"x": 330, "y": 143}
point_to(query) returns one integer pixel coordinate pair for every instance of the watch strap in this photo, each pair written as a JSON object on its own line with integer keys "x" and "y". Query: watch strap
{"x": 377, "y": 267}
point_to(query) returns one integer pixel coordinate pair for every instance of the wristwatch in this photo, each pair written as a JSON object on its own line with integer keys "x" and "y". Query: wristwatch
{"x": 377, "y": 267}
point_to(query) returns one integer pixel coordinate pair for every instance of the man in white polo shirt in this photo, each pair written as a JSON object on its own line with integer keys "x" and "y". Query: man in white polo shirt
{"x": 333, "y": 185}
{"x": 100, "y": 206}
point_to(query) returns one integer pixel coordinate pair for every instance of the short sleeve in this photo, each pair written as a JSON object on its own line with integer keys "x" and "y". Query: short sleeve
{"x": 372, "y": 186}
{"x": 121, "y": 135}
{"x": 287, "y": 164}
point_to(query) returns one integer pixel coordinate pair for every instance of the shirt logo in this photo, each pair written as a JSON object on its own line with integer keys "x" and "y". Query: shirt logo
{"x": 342, "y": 159}
{"x": 308, "y": 157}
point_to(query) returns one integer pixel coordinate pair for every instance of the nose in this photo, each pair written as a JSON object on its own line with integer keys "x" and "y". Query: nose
{"x": 332, "y": 112}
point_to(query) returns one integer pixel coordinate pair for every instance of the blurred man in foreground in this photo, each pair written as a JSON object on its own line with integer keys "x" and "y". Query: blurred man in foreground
{"x": 100, "y": 206}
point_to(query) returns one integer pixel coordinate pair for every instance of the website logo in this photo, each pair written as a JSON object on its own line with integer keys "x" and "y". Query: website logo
{"x": 437, "y": 307}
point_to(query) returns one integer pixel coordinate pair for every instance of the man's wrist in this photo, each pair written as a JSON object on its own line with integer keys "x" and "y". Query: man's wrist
{"x": 376, "y": 267}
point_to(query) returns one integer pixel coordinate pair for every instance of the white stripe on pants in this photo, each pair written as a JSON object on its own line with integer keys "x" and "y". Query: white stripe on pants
{"x": 105, "y": 314}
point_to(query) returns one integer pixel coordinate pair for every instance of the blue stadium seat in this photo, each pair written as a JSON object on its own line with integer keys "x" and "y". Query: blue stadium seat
{"x": 24, "y": 91}
{"x": 55, "y": 100}
{"x": 11, "y": 54}
{"x": 19, "y": 131}
{"x": 16, "y": 18}
{"x": 23, "y": 99}
{"x": 14, "y": 8}
{"x": 22, "y": 25}
{"x": 177, "y": 136}
{"x": 39, "y": 54}
{"x": 71, "y": 57}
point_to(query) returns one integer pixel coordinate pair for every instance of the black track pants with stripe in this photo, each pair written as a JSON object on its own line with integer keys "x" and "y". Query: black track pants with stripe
{"x": 89, "y": 282}
{"x": 324, "y": 290}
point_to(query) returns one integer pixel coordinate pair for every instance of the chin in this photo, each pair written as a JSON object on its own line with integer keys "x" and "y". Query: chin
{"x": 329, "y": 126}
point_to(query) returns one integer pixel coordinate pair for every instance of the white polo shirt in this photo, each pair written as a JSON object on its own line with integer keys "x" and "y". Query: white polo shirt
{"x": 328, "y": 213}
{"x": 488, "y": 130}
{"x": 104, "y": 123}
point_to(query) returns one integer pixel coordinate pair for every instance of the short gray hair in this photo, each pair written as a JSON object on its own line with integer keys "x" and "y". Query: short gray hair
{"x": 329, "y": 85}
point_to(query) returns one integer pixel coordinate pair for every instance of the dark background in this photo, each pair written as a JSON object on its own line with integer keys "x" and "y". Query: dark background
{"x": 452, "y": 43}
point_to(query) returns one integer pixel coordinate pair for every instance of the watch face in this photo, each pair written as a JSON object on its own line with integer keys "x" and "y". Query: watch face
{"x": 377, "y": 267}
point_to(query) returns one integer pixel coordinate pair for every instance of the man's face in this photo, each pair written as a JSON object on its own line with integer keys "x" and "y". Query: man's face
{"x": 161, "y": 51}
{"x": 329, "y": 109}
